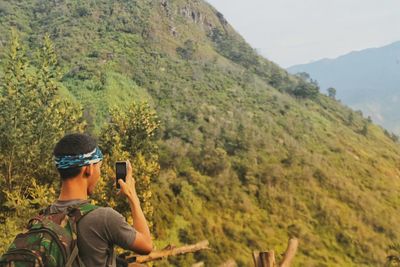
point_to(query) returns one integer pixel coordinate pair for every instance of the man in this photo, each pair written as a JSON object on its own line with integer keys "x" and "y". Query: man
{"x": 78, "y": 160}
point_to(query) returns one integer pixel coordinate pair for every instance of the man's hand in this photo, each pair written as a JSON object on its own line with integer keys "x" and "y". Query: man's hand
{"x": 128, "y": 187}
{"x": 142, "y": 243}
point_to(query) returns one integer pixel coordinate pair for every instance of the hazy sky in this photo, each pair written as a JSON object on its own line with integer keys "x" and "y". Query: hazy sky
{"x": 291, "y": 32}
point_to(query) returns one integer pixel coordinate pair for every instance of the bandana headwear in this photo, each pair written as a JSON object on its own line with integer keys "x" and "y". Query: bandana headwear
{"x": 66, "y": 162}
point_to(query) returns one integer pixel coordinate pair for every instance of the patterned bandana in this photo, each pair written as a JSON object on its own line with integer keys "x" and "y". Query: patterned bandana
{"x": 66, "y": 162}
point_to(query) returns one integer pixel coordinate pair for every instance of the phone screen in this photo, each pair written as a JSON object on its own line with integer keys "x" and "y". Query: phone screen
{"x": 120, "y": 170}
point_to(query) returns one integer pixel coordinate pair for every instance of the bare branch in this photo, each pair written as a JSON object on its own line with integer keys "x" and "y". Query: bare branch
{"x": 290, "y": 252}
{"x": 172, "y": 251}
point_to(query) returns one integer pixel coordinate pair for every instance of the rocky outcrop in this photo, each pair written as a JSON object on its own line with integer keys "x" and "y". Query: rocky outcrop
{"x": 222, "y": 19}
{"x": 173, "y": 31}
{"x": 190, "y": 12}
{"x": 165, "y": 4}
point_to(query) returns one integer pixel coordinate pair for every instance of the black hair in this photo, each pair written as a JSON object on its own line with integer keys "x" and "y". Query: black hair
{"x": 71, "y": 145}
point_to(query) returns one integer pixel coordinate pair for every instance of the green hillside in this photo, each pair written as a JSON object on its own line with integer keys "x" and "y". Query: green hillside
{"x": 249, "y": 154}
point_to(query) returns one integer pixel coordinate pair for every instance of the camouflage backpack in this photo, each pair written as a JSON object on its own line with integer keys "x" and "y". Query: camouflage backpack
{"x": 49, "y": 241}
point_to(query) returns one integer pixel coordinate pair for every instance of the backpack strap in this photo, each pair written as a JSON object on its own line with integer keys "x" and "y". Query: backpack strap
{"x": 72, "y": 257}
{"x": 71, "y": 216}
{"x": 45, "y": 211}
{"x": 78, "y": 211}
{"x": 75, "y": 213}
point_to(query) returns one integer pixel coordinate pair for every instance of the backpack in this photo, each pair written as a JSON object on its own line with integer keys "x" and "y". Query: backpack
{"x": 50, "y": 240}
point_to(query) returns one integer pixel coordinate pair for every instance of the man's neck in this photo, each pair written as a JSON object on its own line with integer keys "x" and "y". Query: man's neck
{"x": 74, "y": 188}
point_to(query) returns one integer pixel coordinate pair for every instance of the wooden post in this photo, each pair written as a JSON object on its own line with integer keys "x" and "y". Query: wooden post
{"x": 290, "y": 252}
{"x": 256, "y": 259}
{"x": 264, "y": 259}
{"x": 271, "y": 258}
{"x": 267, "y": 259}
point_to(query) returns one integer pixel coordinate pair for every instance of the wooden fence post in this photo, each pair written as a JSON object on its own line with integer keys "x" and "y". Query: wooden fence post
{"x": 256, "y": 259}
{"x": 267, "y": 259}
{"x": 264, "y": 259}
{"x": 290, "y": 252}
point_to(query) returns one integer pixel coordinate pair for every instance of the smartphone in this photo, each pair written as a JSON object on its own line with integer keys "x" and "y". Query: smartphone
{"x": 120, "y": 171}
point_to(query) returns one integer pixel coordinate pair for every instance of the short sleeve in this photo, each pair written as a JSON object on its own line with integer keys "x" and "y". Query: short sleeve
{"x": 120, "y": 232}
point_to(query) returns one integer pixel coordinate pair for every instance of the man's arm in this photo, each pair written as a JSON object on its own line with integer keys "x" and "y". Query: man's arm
{"x": 142, "y": 243}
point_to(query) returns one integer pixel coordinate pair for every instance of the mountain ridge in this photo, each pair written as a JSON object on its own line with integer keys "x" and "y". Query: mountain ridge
{"x": 366, "y": 80}
{"x": 324, "y": 60}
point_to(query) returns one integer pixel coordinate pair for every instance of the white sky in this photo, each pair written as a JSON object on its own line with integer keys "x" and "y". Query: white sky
{"x": 291, "y": 32}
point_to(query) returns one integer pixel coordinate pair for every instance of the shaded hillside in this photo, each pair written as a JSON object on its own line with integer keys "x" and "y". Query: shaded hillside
{"x": 367, "y": 80}
{"x": 250, "y": 155}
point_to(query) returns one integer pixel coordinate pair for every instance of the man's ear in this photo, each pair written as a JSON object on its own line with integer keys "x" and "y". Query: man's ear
{"x": 88, "y": 170}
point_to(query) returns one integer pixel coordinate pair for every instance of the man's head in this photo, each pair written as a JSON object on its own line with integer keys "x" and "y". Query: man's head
{"x": 78, "y": 155}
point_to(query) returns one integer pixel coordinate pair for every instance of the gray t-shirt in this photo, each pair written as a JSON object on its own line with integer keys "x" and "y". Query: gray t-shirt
{"x": 98, "y": 232}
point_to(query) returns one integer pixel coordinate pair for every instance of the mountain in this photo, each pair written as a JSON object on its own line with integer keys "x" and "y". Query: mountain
{"x": 367, "y": 80}
{"x": 250, "y": 155}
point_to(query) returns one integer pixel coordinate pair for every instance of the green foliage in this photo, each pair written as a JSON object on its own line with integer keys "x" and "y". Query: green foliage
{"x": 306, "y": 87}
{"x": 213, "y": 161}
{"x": 20, "y": 208}
{"x": 32, "y": 118}
{"x": 187, "y": 51}
{"x": 228, "y": 46}
{"x": 332, "y": 92}
{"x": 393, "y": 259}
{"x": 305, "y": 90}
{"x": 130, "y": 135}
{"x": 364, "y": 130}
{"x": 350, "y": 118}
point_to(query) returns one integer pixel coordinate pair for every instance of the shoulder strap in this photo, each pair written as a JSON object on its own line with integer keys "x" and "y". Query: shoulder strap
{"x": 75, "y": 213}
{"x": 45, "y": 211}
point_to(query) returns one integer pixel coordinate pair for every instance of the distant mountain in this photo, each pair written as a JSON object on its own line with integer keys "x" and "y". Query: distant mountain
{"x": 368, "y": 80}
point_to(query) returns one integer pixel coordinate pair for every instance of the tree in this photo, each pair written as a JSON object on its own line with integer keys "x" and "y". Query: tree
{"x": 364, "y": 130}
{"x": 350, "y": 118}
{"x": 305, "y": 89}
{"x": 130, "y": 135}
{"x": 32, "y": 118}
{"x": 332, "y": 92}
{"x": 394, "y": 137}
{"x": 187, "y": 51}
{"x": 304, "y": 76}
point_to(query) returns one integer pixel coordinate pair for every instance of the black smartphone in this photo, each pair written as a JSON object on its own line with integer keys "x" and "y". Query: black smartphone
{"x": 120, "y": 171}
